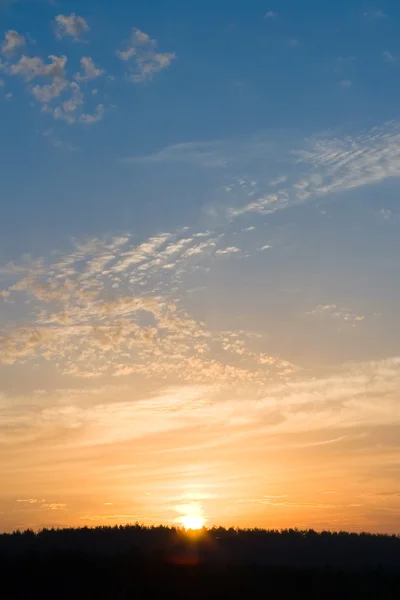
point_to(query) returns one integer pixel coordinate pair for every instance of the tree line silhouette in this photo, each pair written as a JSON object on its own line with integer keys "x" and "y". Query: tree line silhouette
{"x": 132, "y": 561}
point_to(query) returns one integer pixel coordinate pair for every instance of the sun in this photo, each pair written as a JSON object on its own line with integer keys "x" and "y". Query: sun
{"x": 192, "y": 521}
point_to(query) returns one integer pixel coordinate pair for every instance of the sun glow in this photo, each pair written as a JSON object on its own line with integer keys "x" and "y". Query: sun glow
{"x": 192, "y": 521}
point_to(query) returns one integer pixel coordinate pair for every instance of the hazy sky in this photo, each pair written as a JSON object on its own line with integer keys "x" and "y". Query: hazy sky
{"x": 199, "y": 263}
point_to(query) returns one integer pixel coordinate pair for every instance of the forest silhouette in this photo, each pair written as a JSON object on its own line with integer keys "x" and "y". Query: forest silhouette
{"x": 133, "y": 561}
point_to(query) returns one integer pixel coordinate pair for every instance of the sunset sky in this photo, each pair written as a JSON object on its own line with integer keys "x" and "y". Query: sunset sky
{"x": 199, "y": 263}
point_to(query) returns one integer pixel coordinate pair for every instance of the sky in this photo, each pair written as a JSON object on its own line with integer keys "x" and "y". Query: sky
{"x": 199, "y": 274}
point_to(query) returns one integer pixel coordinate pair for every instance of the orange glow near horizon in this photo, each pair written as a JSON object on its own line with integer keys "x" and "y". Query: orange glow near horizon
{"x": 193, "y": 522}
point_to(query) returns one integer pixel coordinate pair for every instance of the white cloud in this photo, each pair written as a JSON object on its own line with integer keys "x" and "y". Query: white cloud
{"x": 141, "y": 51}
{"x": 67, "y": 111}
{"x": 13, "y": 41}
{"x": 227, "y": 251}
{"x": 70, "y": 25}
{"x": 29, "y": 501}
{"x": 76, "y": 99}
{"x": 353, "y": 161}
{"x": 270, "y": 14}
{"x": 266, "y": 247}
{"x": 90, "y": 71}
{"x": 87, "y": 332}
{"x": 32, "y": 67}
{"x": 46, "y": 93}
{"x": 346, "y": 83}
{"x": 359, "y": 395}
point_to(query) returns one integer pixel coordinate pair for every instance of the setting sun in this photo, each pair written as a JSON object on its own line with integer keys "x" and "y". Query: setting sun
{"x": 192, "y": 521}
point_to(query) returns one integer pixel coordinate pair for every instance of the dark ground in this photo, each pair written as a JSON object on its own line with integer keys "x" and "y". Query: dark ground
{"x": 138, "y": 562}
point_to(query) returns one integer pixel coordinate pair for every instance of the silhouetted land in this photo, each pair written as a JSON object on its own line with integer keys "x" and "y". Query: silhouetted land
{"x": 138, "y": 562}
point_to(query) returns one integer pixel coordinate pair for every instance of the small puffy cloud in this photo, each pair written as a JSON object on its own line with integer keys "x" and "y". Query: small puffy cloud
{"x": 90, "y": 71}
{"x": 70, "y": 26}
{"x": 90, "y": 119}
{"x": 32, "y": 67}
{"x": 75, "y": 100}
{"x": 13, "y": 41}
{"x": 46, "y": 93}
{"x": 265, "y": 247}
{"x": 141, "y": 52}
{"x": 67, "y": 110}
{"x": 227, "y": 251}
{"x": 270, "y": 14}
{"x": 346, "y": 83}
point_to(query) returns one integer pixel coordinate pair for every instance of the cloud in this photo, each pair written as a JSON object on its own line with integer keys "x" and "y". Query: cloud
{"x": 334, "y": 312}
{"x": 346, "y": 83}
{"x": 141, "y": 50}
{"x": 71, "y": 26}
{"x": 203, "y": 154}
{"x": 323, "y": 166}
{"x": 32, "y": 67}
{"x": 29, "y": 501}
{"x": 227, "y": 251}
{"x": 389, "y": 57}
{"x": 76, "y": 322}
{"x": 13, "y": 41}
{"x": 270, "y": 14}
{"x": 76, "y": 99}
{"x": 54, "y": 506}
{"x": 68, "y": 110}
{"x": 46, "y": 93}
{"x": 376, "y": 14}
{"x": 320, "y": 166}
{"x": 90, "y": 71}
{"x": 356, "y": 396}
{"x": 91, "y": 119}
{"x": 352, "y": 161}
{"x": 71, "y": 108}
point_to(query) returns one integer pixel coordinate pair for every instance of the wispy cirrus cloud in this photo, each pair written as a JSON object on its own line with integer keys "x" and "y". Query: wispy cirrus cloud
{"x": 354, "y": 397}
{"x": 389, "y": 57}
{"x": 375, "y": 14}
{"x": 320, "y": 166}
{"x": 140, "y": 52}
{"x": 206, "y": 154}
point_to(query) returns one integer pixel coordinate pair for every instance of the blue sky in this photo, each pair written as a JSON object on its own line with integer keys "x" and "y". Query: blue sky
{"x": 199, "y": 243}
